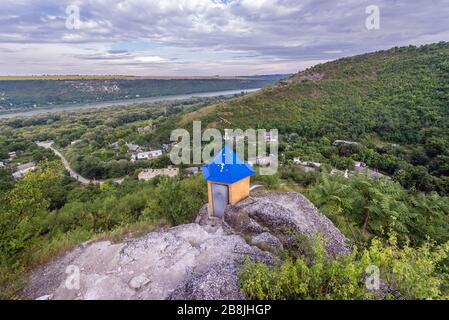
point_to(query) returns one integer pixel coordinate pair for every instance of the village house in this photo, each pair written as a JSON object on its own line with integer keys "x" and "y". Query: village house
{"x": 149, "y": 174}
{"x": 192, "y": 170}
{"x": 229, "y": 137}
{"x": 270, "y": 137}
{"x": 336, "y": 171}
{"x": 133, "y": 147}
{"x": 312, "y": 163}
{"x": 148, "y": 155}
{"x": 12, "y": 155}
{"x": 309, "y": 169}
{"x": 362, "y": 167}
{"x": 359, "y": 166}
{"x": 345, "y": 173}
{"x": 144, "y": 155}
{"x": 115, "y": 145}
{"x": 297, "y": 160}
{"x": 375, "y": 174}
{"x": 155, "y": 153}
{"x": 339, "y": 142}
{"x": 2, "y": 165}
{"x": 262, "y": 161}
{"x": 23, "y": 169}
{"x": 149, "y": 128}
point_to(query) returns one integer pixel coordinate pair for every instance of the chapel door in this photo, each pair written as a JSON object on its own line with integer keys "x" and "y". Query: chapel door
{"x": 220, "y": 199}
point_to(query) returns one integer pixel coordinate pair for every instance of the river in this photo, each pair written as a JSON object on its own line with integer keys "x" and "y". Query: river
{"x": 106, "y": 104}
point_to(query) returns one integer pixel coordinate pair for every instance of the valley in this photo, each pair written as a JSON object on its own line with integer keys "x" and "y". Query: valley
{"x": 362, "y": 140}
{"x": 121, "y": 103}
{"x": 47, "y": 94}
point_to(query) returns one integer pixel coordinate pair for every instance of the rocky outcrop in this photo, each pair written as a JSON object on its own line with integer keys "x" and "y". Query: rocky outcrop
{"x": 267, "y": 240}
{"x": 302, "y": 76}
{"x": 218, "y": 282}
{"x": 199, "y": 261}
{"x": 185, "y": 262}
{"x": 284, "y": 216}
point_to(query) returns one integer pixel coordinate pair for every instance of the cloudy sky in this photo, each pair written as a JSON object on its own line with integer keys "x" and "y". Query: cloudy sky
{"x": 205, "y": 37}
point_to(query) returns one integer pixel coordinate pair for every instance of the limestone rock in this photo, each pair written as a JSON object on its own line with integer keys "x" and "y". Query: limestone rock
{"x": 138, "y": 282}
{"x": 284, "y": 214}
{"x": 154, "y": 266}
{"x": 218, "y": 282}
{"x": 199, "y": 260}
{"x": 266, "y": 239}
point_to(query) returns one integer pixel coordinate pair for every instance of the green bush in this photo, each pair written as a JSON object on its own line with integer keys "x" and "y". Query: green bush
{"x": 408, "y": 273}
{"x": 32, "y": 230}
{"x": 270, "y": 181}
{"x": 176, "y": 200}
{"x": 297, "y": 175}
{"x": 362, "y": 207}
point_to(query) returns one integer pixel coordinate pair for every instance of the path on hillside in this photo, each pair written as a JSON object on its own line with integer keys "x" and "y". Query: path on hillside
{"x": 73, "y": 173}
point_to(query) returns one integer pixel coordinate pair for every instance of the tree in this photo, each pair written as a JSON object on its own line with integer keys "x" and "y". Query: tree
{"x": 27, "y": 200}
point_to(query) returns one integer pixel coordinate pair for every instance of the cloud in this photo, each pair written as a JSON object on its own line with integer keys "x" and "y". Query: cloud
{"x": 150, "y": 59}
{"x": 200, "y": 36}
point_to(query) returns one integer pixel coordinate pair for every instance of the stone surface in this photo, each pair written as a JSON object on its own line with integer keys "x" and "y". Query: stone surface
{"x": 138, "y": 282}
{"x": 200, "y": 260}
{"x": 285, "y": 214}
{"x": 268, "y": 240}
{"x": 187, "y": 258}
{"x": 217, "y": 282}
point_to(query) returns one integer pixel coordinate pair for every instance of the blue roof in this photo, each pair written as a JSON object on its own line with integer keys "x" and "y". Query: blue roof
{"x": 226, "y": 167}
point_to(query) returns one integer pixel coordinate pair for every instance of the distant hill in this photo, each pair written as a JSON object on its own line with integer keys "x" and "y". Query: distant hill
{"x": 102, "y": 77}
{"x": 398, "y": 96}
{"x": 24, "y": 93}
{"x": 395, "y": 93}
{"x": 63, "y": 77}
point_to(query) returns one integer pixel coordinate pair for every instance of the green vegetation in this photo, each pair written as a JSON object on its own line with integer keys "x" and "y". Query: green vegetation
{"x": 395, "y": 105}
{"x": 406, "y": 273}
{"x": 46, "y": 213}
{"x": 94, "y": 131}
{"x": 177, "y": 201}
{"x": 362, "y": 207}
{"x": 404, "y": 233}
{"x": 394, "y": 102}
